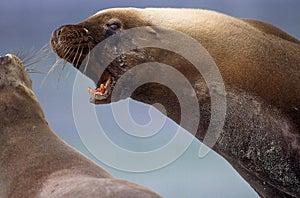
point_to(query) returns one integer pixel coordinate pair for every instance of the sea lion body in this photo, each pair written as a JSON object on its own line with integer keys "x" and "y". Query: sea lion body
{"x": 34, "y": 162}
{"x": 260, "y": 66}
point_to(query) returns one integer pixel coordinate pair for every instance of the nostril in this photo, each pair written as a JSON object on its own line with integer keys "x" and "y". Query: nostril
{"x": 55, "y": 36}
{"x": 57, "y": 33}
{"x": 4, "y": 59}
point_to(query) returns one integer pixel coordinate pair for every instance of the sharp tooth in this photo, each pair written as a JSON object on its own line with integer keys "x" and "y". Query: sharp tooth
{"x": 102, "y": 88}
{"x": 108, "y": 81}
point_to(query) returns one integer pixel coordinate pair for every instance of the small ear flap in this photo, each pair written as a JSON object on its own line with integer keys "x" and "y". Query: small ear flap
{"x": 152, "y": 29}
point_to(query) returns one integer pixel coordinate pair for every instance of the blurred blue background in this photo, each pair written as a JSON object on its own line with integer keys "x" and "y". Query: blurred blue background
{"x": 27, "y": 24}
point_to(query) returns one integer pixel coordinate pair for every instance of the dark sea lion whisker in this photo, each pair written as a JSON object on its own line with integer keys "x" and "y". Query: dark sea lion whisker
{"x": 61, "y": 72}
{"x": 67, "y": 51}
{"x": 56, "y": 63}
{"x": 79, "y": 56}
{"x": 75, "y": 56}
{"x": 58, "y": 60}
{"x": 87, "y": 62}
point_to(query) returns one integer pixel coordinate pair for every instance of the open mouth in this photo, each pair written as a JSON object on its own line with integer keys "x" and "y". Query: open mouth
{"x": 104, "y": 87}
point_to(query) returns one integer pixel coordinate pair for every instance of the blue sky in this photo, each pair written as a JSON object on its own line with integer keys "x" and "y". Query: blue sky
{"x": 27, "y": 24}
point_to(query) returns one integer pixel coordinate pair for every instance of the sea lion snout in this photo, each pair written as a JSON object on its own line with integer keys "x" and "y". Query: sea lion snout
{"x": 13, "y": 72}
{"x": 73, "y": 42}
{"x": 11, "y": 59}
{"x": 66, "y": 31}
{"x": 57, "y": 37}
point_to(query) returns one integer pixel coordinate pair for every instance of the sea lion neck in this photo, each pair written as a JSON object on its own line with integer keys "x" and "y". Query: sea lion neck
{"x": 19, "y": 106}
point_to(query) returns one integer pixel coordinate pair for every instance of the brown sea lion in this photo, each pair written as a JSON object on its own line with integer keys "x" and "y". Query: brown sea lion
{"x": 260, "y": 66}
{"x": 34, "y": 162}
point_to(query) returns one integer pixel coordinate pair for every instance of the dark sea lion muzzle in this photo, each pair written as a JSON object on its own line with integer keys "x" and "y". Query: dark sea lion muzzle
{"x": 73, "y": 43}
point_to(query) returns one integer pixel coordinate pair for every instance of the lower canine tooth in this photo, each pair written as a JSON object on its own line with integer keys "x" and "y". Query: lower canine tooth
{"x": 102, "y": 88}
{"x": 108, "y": 81}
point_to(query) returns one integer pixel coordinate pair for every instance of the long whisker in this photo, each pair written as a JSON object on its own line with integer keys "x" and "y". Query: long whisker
{"x": 39, "y": 56}
{"x": 68, "y": 72}
{"x": 35, "y": 71}
{"x": 32, "y": 57}
{"x": 58, "y": 60}
{"x": 74, "y": 59}
{"x": 66, "y": 52}
{"x": 87, "y": 61}
{"x": 54, "y": 65}
{"x": 25, "y": 55}
{"x": 79, "y": 57}
{"x": 61, "y": 72}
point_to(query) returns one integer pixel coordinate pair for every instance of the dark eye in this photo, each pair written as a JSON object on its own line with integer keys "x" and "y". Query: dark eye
{"x": 113, "y": 26}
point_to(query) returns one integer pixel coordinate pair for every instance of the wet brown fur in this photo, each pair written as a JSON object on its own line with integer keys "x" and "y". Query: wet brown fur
{"x": 34, "y": 162}
{"x": 260, "y": 65}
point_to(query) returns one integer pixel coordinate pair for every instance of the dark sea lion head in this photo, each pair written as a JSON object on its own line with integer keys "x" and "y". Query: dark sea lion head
{"x": 227, "y": 40}
{"x": 74, "y": 42}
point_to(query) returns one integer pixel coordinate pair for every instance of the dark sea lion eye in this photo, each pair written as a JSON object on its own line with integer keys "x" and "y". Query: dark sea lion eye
{"x": 113, "y": 26}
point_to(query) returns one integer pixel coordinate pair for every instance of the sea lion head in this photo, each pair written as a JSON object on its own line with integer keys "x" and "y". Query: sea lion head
{"x": 18, "y": 102}
{"x": 74, "y": 42}
{"x": 13, "y": 73}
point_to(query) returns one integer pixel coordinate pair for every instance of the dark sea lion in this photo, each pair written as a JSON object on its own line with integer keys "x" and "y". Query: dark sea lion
{"x": 34, "y": 162}
{"x": 260, "y": 66}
